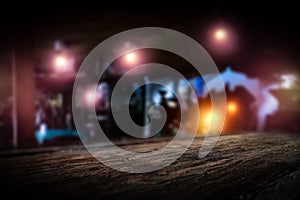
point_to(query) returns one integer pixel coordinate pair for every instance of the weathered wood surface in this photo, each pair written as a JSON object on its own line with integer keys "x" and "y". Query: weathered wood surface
{"x": 245, "y": 166}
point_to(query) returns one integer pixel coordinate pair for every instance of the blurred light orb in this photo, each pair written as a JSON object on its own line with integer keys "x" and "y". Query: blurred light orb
{"x": 207, "y": 118}
{"x": 220, "y": 34}
{"x": 211, "y": 122}
{"x": 131, "y": 58}
{"x": 222, "y": 39}
{"x": 231, "y": 107}
{"x": 61, "y": 63}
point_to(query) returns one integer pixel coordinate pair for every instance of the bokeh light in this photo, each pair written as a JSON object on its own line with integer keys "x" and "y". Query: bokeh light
{"x": 210, "y": 122}
{"x": 61, "y": 63}
{"x": 131, "y": 58}
{"x": 231, "y": 107}
{"x": 222, "y": 39}
{"x": 220, "y": 35}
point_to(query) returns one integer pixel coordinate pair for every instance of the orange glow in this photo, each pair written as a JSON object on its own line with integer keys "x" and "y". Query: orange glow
{"x": 210, "y": 122}
{"x": 207, "y": 118}
{"x": 231, "y": 107}
{"x": 220, "y": 34}
{"x": 131, "y": 58}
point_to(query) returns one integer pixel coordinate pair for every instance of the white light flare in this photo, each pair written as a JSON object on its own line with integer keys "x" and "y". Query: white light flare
{"x": 131, "y": 58}
{"x": 288, "y": 81}
{"x": 220, "y": 35}
{"x": 62, "y": 63}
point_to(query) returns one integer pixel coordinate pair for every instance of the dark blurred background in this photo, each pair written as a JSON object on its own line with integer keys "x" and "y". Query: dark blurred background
{"x": 44, "y": 43}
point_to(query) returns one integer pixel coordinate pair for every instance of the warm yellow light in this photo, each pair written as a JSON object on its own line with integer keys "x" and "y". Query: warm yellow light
{"x": 210, "y": 122}
{"x": 220, "y": 34}
{"x": 207, "y": 118}
{"x": 231, "y": 107}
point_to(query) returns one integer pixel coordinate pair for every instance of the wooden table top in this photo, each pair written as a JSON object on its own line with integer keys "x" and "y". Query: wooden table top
{"x": 241, "y": 166}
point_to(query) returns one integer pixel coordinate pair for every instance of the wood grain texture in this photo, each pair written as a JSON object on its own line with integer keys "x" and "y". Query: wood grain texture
{"x": 244, "y": 166}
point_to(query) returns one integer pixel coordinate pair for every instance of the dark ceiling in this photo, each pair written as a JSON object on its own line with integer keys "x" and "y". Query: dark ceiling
{"x": 268, "y": 31}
